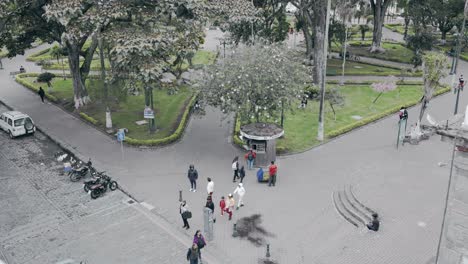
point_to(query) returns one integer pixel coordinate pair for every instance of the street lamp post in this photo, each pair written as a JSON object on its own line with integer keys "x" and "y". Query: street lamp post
{"x": 223, "y": 42}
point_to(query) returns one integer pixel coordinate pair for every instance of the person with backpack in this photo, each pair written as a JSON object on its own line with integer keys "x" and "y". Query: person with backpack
{"x": 250, "y": 158}
{"x": 403, "y": 113}
{"x": 200, "y": 241}
{"x": 193, "y": 254}
{"x": 193, "y": 176}
{"x": 185, "y": 214}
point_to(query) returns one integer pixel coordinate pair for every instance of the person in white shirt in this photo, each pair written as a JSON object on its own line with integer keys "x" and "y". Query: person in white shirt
{"x": 241, "y": 192}
{"x": 210, "y": 187}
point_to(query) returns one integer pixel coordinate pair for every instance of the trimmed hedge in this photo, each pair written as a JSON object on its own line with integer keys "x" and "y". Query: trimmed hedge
{"x": 89, "y": 119}
{"x": 170, "y": 139}
{"x": 19, "y": 79}
{"x": 378, "y": 116}
{"x": 33, "y": 57}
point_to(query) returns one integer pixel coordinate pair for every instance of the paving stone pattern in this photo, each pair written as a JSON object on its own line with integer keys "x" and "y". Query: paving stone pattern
{"x": 46, "y": 219}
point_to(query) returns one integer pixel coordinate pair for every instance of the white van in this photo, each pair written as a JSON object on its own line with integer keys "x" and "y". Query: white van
{"x": 16, "y": 124}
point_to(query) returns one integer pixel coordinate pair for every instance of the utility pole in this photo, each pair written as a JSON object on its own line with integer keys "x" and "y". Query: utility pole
{"x": 253, "y": 38}
{"x": 457, "y": 54}
{"x": 320, "y": 136}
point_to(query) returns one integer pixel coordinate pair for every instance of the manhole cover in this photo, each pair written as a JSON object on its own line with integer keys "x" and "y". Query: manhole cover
{"x": 130, "y": 201}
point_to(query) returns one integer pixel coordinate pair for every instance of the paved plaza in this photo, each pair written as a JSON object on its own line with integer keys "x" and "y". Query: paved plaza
{"x": 405, "y": 186}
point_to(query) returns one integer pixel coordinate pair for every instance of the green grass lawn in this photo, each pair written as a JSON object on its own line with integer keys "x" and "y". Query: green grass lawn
{"x": 393, "y": 51}
{"x": 399, "y": 28}
{"x": 301, "y": 126}
{"x": 357, "y": 68}
{"x": 127, "y": 109}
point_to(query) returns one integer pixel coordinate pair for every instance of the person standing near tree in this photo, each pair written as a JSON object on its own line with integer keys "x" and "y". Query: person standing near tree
{"x": 250, "y": 158}
{"x": 193, "y": 176}
{"x": 41, "y": 93}
{"x": 273, "y": 170}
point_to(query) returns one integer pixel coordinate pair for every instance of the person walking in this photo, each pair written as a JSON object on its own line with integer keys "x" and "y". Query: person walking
{"x": 242, "y": 173}
{"x": 193, "y": 176}
{"x": 241, "y": 192}
{"x": 250, "y": 158}
{"x": 222, "y": 205}
{"x": 41, "y": 93}
{"x": 210, "y": 187}
{"x": 200, "y": 241}
{"x": 235, "y": 168}
{"x": 273, "y": 170}
{"x": 230, "y": 205}
{"x": 210, "y": 204}
{"x": 185, "y": 214}
{"x": 193, "y": 254}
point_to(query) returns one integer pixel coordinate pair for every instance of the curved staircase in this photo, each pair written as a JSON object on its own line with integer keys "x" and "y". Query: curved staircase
{"x": 350, "y": 208}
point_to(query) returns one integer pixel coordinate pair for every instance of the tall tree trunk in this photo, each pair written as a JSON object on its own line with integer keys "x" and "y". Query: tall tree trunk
{"x": 79, "y": 90}
{"x": 103, "y": 70}
{"x": 379, "y": 8}
{"x": 407, "y": 21}
{"x": 308, "y": 41}
{"x": 321, "y": 25}
{"x": 444, "y": 37}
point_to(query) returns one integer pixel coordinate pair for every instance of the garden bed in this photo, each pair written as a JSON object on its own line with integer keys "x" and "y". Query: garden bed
{"x": 301, "y": 125}
{"x": 171, "y": 111}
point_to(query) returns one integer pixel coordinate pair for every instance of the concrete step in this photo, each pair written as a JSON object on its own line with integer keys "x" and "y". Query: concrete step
{"x": 357, "y": 206}
{"x": 339, "y": 206}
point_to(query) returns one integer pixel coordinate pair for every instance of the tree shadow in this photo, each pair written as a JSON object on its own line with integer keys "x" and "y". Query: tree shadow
{"x": 250, "y": 228}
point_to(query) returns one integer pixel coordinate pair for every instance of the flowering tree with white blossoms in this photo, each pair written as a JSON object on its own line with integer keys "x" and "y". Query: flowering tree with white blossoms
{"x": 383, "y": 87}
{"x": 257, "y": 82}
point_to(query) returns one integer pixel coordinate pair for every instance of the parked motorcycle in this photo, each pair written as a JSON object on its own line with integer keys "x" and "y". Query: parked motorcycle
{"x": 100, "y": 188}
{"x": 96, "y": 179}
{"x": 80, "y": 172}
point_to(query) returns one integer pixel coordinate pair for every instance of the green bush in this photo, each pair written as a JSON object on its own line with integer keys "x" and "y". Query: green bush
{"x": 19, "y": 79}
{"x": 89, "y": 119}
{"x": 170, "y": 139}
{"x": 45, "y": 77}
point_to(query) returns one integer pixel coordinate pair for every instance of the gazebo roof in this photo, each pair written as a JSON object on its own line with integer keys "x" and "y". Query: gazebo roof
{"x": 261, "y": 131}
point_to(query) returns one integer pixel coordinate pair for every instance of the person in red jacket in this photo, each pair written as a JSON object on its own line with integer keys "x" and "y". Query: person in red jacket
{"x": 273, "y": 170}
{"x": 250, "y": 158}
{"x": 224, "y": 208}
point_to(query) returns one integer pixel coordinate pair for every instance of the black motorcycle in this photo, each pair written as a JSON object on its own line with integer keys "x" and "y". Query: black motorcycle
{"x": 96, "y": 179}
{"x": 100, "y": 188}
{"x": 80, "y": 172}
